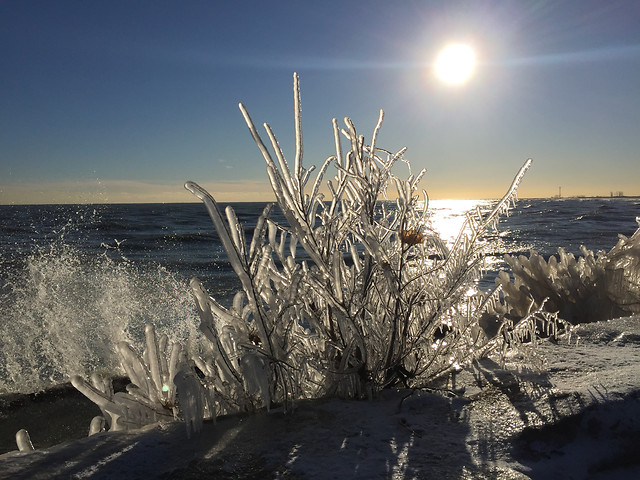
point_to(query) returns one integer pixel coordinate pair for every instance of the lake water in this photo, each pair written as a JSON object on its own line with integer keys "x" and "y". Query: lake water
{"x": 76, "y": 278}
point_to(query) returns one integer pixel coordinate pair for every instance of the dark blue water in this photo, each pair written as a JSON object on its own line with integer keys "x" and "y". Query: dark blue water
{"x": 179, "y": 237}
{"x": 76, "y": 278}
{"x": 546, "y": 224}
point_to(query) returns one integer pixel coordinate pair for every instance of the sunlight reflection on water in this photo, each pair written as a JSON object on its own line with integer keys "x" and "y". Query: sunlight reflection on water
{"x": 447, "y": 216}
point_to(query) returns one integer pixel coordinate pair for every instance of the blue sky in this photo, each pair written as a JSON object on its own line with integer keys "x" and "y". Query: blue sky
{"x": 123, "y": 101}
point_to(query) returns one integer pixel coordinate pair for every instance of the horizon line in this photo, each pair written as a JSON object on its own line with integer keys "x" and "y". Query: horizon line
{"x": 553, "y": 197}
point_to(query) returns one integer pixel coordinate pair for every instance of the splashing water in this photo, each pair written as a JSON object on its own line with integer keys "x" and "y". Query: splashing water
{"x": 63, "y": 311}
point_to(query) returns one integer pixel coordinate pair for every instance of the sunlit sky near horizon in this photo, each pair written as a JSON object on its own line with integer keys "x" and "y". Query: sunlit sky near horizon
{"x": 123, "y": 101}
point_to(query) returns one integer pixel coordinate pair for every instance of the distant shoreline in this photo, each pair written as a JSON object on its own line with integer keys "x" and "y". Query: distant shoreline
{"x": 569, "y": 197}
{"x": 587, "y": 197}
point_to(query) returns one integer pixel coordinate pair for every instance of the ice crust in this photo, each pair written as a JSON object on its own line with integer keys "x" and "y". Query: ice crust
{"x": 163, "y": 386}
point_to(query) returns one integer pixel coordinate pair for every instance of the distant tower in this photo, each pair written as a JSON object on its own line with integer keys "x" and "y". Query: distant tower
{"x": 560, "y": 192}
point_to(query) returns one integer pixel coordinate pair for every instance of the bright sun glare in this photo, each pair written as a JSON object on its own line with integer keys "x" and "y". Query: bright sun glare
{"x": 455, "y": 64}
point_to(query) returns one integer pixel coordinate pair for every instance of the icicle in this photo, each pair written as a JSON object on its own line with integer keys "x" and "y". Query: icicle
{"x": 337, "y": 278}
{"x": 135, "y": 367}
{"x": 283, "y": 239}
{"x": 259, "y": 232}
{"x": 97, "y": 425}
{"x": 284, "y": 171}
{"x": 376, "y": 130}
{"x": 298, "y": 126}
{"x": 355, "y": 257}
{"x": 23, "y": 440}
{"x": 255, "y": 373}
{"x": 237, "y": 233}
{"x": 154, "y": 358}
{"x": 176, "y": 361}
{"x": 163, "y": 347}
{"x": 293, "y": 242}
{"x": 191, "y": 400}
{"x": 209, "y": 390}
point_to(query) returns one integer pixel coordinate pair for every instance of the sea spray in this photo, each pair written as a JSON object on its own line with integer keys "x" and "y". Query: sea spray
{"x": 63, "y": 310}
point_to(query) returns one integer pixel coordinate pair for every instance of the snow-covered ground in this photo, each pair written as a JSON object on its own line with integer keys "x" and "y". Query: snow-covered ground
{"x": 576, "y": 417}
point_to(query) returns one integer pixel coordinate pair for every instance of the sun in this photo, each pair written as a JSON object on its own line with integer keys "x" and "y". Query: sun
{"x": 455, "y": 64}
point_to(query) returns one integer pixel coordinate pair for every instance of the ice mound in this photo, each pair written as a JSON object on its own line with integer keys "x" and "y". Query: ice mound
{"x": 589, "y": 288}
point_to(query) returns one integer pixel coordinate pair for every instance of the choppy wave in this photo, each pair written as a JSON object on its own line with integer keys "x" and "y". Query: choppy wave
{"x": 63, "y": 311}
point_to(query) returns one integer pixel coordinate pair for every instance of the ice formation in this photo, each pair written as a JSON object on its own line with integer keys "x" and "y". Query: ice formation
{"x": 163, "y": 386}
{"x": 23, "y": 440}
{"x": 350, "y": 296}
{"x": 191, "y": 399}
{"x": 590, "y": 288}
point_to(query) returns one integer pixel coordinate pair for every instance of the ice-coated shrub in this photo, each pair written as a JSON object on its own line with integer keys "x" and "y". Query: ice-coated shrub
{"x": 590, "y": 288}
{"x": 353, "y": 293}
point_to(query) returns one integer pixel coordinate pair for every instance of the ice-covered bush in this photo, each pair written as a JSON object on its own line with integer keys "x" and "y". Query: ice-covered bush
{"x": 590, "y": 288}
{"x": 354, "y": 292}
